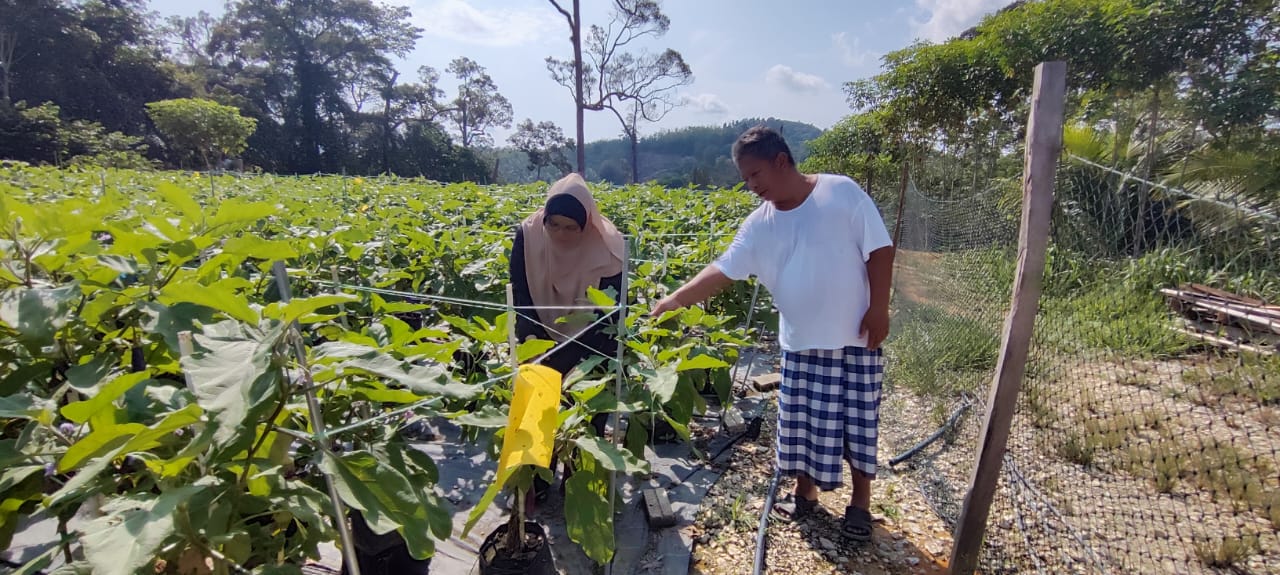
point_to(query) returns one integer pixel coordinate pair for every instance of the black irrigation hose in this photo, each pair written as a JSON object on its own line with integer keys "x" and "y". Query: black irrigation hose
{"x": 764, "y": 523}
{"x": 951, "y": 421}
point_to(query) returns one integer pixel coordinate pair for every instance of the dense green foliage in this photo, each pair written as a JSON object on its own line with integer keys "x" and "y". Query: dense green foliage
{"x": 103, "y": 271}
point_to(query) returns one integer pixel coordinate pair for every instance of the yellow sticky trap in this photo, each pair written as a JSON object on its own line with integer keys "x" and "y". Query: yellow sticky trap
{"x": 531, "y": 423}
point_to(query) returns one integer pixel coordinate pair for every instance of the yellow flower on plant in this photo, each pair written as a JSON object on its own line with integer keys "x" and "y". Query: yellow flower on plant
{"x": 359, "y": 181}
{"x": 363, "y": 208}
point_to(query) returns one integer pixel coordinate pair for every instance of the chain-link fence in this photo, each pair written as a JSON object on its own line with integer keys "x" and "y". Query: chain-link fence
{"x": 1147, "y": 433}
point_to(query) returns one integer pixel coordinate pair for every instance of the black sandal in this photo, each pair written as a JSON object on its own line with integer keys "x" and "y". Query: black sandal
{"x": 793, "y": 508}
{"x": 857, "y": 524}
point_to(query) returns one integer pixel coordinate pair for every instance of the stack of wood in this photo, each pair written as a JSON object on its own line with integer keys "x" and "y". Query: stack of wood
{"x": 1226, "y": 319}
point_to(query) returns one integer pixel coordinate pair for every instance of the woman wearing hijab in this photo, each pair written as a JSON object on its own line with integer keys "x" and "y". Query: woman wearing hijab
{"x": 560, "y": 251}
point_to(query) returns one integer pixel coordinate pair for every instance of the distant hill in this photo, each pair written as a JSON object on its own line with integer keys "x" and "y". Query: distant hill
{"x": 694, "y": 155}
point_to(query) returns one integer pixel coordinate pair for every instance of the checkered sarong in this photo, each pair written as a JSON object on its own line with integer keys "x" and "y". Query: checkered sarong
{"x": 828, "y": 410}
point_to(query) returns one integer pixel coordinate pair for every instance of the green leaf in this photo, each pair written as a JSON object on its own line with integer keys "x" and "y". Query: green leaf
{"x": 702, "y": 361}
{"x": 663, "y": 383}
{"x": 587, "y": 515}
{"x": 610, "y": 456}
{"x": 37, "y": 564}
{"x": 533, "y": 348}
{"x": 168, "y": 321}
{"x": 84, "y": 483}
{"x": 38, "y": 313}
{"x": 600, "y": 299}
{"x": 214, "y": 296}
{"x": 257, "y": 248}
{"x": 98, "y": 442}
{"x": 151, "y": 437}
{"x": 237, "y": 211}
{"x": 299, "y": 307}
{"x": 488, "y": 417}
{"x": 21, "y": 406}
{"x": 424, "y": 380}
{"x": 386, "y": 499}
{"x": 234, "y": 381}
{"x": 88, "y": 376}
{"x": 126, "y": 543}
{"x": 13, "y": 476}
{"x": 81, "y": 411}
{"x": 182, "y": 200}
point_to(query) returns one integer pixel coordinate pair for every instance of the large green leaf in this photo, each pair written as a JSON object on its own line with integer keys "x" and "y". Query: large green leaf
{"x": 38, "y": 313}
{"x": 386, "y": 499}
{"x": 299, "y": 307}
{"x": 125, "y": 543}
{"x": 234, "y": 212}
{"x": 258, "y": 248}
{"x": 168, "y": 321}
{"x": 702, "y": 361}
{"x": 84, "y": 483}
{"x": 426, "y": 380}
{"x": 181, "y": 199}
{"x": 234, "y": 381}
{"x": 610, "y": 456}
{"x": 489, "y": 417}
{"x": 217, "y": 296}
{"x": 533, "y": 348}
{"x": 587, "y": 515}
{"x": 98, "y": 442}
{"x": 663, "y": 383}
{"x": 81, "y": 411}
{"x": 23, "y": 406}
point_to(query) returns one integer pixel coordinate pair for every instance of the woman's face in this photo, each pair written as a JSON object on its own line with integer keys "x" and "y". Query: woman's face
{"x": 564, "y": 231}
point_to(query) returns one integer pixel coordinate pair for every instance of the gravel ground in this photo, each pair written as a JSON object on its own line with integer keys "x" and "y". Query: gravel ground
{"x": 908, "y": 538}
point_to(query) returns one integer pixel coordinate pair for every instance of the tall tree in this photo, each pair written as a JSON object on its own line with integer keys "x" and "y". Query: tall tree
{"x": 301, "y": 56}
{"x": 97, "y": 60}
{"x": 575, "y": 37}
{"x": 479, "y": 107}
{"x": 634, "y": 86}
{"x": 202, "y": 128}
{"x": 544, "y": 143}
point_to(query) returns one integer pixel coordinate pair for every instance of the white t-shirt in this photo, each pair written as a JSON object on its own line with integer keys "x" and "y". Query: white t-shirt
{"x": 813, "y": 260}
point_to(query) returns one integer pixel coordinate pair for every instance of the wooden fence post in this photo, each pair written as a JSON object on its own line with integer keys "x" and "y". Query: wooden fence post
{"x": 1043, "y": 146}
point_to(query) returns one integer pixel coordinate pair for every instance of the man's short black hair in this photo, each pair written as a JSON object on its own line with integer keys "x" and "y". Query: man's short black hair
{"x": 761, "y": 142}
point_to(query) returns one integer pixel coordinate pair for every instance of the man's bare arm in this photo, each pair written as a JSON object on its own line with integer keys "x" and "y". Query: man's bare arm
{"x": 709, "y": 281}
{"x": 880, "y": 275}
{"x": 875, "y": 324}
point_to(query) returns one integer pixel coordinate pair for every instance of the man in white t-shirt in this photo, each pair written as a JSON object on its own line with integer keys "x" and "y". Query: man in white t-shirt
{"x": 820, "y": 247}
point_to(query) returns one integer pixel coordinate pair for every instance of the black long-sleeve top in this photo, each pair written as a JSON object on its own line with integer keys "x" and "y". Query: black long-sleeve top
{"x": 594, "y": 340}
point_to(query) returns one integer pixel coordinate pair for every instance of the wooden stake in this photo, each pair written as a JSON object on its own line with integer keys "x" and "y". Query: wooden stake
{"x": 317, "y": 423}
{"x": 1044, "y": 144}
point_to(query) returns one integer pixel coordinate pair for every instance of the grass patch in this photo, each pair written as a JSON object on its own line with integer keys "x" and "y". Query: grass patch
{"x": 1111, "y": 318}
{"x": 1224, "y": 471}
{"x": 1250, "y": 377}
{"x": 1227, "y": 552}
{"x": 940, "y": 355}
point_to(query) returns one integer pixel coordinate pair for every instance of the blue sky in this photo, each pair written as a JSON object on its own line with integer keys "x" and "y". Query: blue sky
{"x": 750, "y": 58}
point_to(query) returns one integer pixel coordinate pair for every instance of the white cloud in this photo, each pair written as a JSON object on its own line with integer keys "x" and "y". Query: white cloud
{"x": 948, "y": 18}
{"x": 460, "y": 21}
{"x": 852, "y": 55}
{"x": 794, "y": 81}
{"x": 705, "y": 103}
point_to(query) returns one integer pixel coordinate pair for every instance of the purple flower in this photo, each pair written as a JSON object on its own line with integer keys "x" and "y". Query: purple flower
{"x": 66, "y": 428}
{"x": 179, "y": 432}
{"x": 49, "y": 469}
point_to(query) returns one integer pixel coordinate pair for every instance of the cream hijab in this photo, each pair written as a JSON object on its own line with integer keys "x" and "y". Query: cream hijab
{"x": 560, "y": 276}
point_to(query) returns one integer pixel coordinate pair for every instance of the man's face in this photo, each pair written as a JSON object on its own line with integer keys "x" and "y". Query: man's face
{"x": 762, "y": 176}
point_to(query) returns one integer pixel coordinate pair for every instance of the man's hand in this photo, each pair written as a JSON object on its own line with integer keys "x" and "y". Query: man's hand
{"x": 702, "y": 286}
{"x": 669, "y": 303}
{"x": 875, "y": 326}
